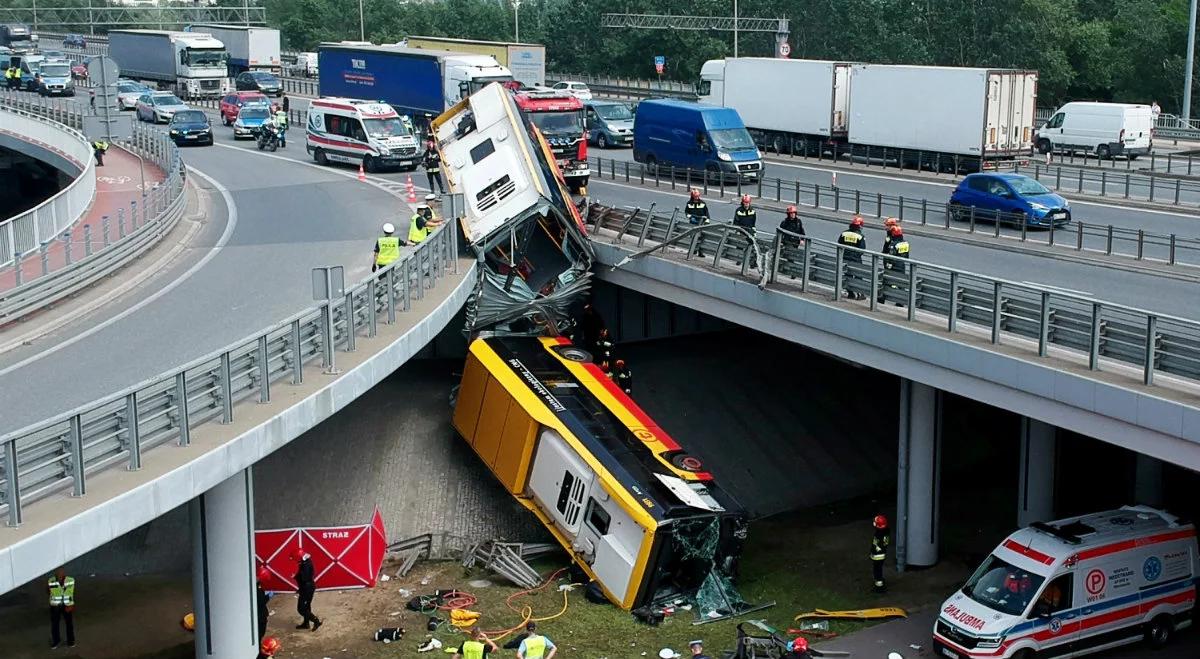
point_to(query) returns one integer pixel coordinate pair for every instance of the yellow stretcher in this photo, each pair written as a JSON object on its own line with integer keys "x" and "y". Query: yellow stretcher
{"x": 861, "y": 614}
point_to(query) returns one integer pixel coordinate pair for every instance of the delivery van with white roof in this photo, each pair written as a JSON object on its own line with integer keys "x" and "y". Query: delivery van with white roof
{"x": 1074, "y": 587}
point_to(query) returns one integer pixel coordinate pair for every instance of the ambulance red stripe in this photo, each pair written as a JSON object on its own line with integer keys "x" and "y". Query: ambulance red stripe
{"x": 1044, "y": 559}
{"x": 1125, "y": 545}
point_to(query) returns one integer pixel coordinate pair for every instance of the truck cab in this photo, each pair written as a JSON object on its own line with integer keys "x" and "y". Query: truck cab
{"x": 467, "y": 74}
{"x": 202, "y": 70}
{"x": 693, "y": 136}
{"x": 18, "y": 38}
{"x": 560, "y": 118}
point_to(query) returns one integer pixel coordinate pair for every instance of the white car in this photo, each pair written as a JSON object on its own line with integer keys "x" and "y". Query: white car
{"x": 128, "y": 94}
{"x": 575, "y": 88}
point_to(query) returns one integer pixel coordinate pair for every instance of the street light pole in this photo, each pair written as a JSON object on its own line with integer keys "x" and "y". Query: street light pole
{"x": 362, "y": 30}
{"x": 516, "y": 21}
{"x": 1187, "y": 71}
{"x": 735, "y": 28}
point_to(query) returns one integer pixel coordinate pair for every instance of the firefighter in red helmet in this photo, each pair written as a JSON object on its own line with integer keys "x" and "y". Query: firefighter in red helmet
{"x": 852, "y": 258}
{"x": 269, "y": 647}
{"x": 697, "y": 214}
{"x": 745, "y": 217}
{"x": 879, "y": 544}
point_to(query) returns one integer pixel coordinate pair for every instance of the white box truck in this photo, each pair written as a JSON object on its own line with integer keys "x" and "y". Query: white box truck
{"x": 192, "y": 64}
{"x": 526, "y": 61}
{"x": 250, "y": 48}
{"x": 981, "y": 116}
{"x": 781, "y": 97}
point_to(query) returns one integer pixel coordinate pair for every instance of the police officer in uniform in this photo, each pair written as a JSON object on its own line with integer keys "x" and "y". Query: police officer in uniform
{"x": 697, "y": 214}
{"x": 478, "y": 647}
{"x": 697, "y": 649}
{"x": 280, "y": 118}
{"x": 879, "y": 545}
{"x": 852, "y": 237}
{"x": 423, "y": 222}
{"x": 99, "y": 147}
{"x": 387, "y": 247}
{"x": 895, "y": 246}
{"x": 433, "y": 167}
{"x": 623, "y": 376}
{"x": 12, "y": 76}
{"x": 62, "y": 607}
{"x": 306, "y": 587}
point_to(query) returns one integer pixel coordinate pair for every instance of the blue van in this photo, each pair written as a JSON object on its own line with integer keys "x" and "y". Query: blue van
{"x": 703, "y": 138}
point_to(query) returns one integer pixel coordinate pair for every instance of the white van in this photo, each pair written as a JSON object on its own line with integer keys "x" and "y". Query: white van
{"x": 1105, "y": 129}
{"x": 355, "y": 132}
{"x": 1074, "y": 587}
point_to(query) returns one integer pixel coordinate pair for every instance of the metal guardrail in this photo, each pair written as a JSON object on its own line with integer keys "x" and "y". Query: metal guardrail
{"x": 117, "y": 431}
{"x": 629, "y": 88}
{"x": 160, "y": 208}
{"x": 22, "y": 234}
{"x": 301, "y": 86}
{"x": 1074, "y": 235}
{"x": 1155, "y": 343}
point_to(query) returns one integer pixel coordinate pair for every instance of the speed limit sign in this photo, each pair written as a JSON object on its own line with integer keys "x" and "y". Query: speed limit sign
{"x": 785, "y": 49}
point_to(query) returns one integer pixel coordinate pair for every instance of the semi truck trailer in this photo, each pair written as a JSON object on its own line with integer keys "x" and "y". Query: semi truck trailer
{"x": 971, "y": 118}
{"x": 526, "y": 61}
{"x": 249, "y": 48}
{"x": 192, "y": 64}
{"x": 416, "y": 82}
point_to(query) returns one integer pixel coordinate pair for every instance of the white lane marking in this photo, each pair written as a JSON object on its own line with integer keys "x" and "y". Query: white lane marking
{"x": 1070, "y": 291}
{"x": 329, "y": 169}
{"x": 230, "y": 225}
{"x": 899, "y": 179}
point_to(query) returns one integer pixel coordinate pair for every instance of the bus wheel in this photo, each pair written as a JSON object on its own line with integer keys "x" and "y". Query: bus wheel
{"x": 1158, "y": 632}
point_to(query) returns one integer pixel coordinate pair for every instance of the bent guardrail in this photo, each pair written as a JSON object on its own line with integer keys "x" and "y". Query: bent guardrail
{"x": 61, "y": 452}
{"x": 1155, "y": 343}
{"x": 23, "y": 233}
{"x": 122, "y": 242}
{"x": 1074, "y": 235}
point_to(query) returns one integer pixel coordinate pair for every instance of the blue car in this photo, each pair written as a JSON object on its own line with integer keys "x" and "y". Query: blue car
{"x": 250, "y": 121}
{"x": 1013, "y": 196}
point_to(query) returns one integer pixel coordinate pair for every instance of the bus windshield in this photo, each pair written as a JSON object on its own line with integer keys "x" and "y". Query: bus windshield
{"x": 384, "y": 128}
{"x": 1003, "y": 587}
{"x": 558, "y": 123}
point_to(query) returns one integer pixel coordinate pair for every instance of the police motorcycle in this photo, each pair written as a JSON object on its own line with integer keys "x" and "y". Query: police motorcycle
{"x": 268, "y": 137}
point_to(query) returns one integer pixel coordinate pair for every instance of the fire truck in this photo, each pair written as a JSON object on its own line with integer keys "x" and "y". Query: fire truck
{"x": 559, "y": 117}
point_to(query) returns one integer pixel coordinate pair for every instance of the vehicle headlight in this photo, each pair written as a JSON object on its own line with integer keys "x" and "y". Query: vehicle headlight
{"x": 1038, "y": 207}
{"x": 993, "y": 642}
{"x": 723, "y": 156}
{"x": 1066, "y": 205}
{"x": 239, "y": 124}
{"x": 174, "y": 132}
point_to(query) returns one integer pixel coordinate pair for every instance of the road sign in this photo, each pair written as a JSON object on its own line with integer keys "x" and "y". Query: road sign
{"x": 111, "y": 127}
{"x": 660, "y": 61}
{"x": 785, "y": 49}
{"x": 103, "y": 70}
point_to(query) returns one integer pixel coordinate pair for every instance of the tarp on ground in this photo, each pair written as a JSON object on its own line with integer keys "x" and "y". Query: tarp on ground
{"x": 342, "y": 556}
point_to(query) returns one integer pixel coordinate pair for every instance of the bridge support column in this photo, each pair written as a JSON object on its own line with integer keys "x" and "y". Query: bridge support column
{"x": 1035, "y": 491}
{"x": 223, "y": 570}
{"x": 1148, "y": 481}
{"x": 918, "y": 476}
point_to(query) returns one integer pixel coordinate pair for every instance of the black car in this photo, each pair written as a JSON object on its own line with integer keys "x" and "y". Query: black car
{"x": 259, "y": 81}
{"x": 75, "y": 41}
{"x": 191, "y": 127}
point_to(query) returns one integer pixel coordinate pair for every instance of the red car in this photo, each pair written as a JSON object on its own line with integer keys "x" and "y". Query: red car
{"x": 231, "y": 104}
{"x": 79, "y": 72}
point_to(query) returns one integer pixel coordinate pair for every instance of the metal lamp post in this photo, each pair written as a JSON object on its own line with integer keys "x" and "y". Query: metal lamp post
{"x": 516, "y": 20}
{"x": 1187, "y": 70}
{"x": 362, "y": 30}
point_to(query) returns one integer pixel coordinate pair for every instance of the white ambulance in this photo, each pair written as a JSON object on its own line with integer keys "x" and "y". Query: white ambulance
{"x": 357, "y": 132}
{"x": 1074, "y": 587}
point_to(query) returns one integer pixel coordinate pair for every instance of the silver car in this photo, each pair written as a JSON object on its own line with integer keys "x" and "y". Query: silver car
{"x": 159, "y": 107}
{"x": 128, "y": 94}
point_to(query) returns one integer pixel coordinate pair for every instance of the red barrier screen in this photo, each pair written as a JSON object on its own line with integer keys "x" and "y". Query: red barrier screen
{"x": 342, "y": 556}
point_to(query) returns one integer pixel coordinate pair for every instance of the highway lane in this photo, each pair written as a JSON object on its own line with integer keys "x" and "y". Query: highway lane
{"x": 1167, "y": 296}
{"x": 287, "y": 218}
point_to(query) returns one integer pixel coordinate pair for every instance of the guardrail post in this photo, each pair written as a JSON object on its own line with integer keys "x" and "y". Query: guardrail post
{"x": 264, "y": 371}
{"x": 45, "y": 258}
{"x": 1058, "y": 178}
{"x": 816, "y": 194}
{"x": 912, "y": 292}
{"x": 924, "y": 209}
{"x": 1109, "y": 241}
{"x": 67, "y": 246}
{"x": 1171, "y": 250}
{"x": 996, "y": 311}
{"x": 1140, "y": 243}
{"x": 672, "y": 174}
{"x": 805, "y": 265}
{"x": 971, "y": 223}
{"x": 1152, "y": 186}
{"x": 1177, "y": 184}
{"x": 1024, "y": 225}
{"x": 778, "y": 189}
{"x": 1094, "y": 339}
{"x": 133, "y": 433}
{"x": 837, "y": 198}
{"x": 901, "y": 209}
{"x": 327, "y": 338}
{"x": 1151, "y": 349}
{"x": 12, "y": 479}
{"x": 952, "y": 321}
{"x": 294, "y": 340}
{"x": 133, "y": 218}
{"x": 350, "y": 321}
{"x": 626, "y": 171}
{"x": 391, "y": 296}
{"x": 837, "y": 273}
{"x": 1103, "y": 183}
{"x": 17, "y": 274}
{"x": 104, "y": 230}
{"x": 878, "y": 204}
{"x": 226, "y": 384}
{"x": 1127, "y": 177}
{"x": 1044, "y": 324}
{"x": 1080, "y": 187}
{"x": 75, "y": 444}
{"x": 372, "y": 308}
{"x": 120, "y": 223}
{"x": 876, "y": 275}
{"x": 181, "y": 408}
{"x": 857, "y": 201}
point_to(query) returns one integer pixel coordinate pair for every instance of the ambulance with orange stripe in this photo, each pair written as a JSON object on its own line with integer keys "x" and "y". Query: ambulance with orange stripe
{"x": 1076, "y": 586}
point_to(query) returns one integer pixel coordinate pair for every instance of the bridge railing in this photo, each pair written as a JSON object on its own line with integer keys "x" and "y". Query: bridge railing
{"x": 61, "y": 453}
{"x": 1072, "y": 235}
{"x": 1018, "y": 314}
{"x": 123, "y": 237}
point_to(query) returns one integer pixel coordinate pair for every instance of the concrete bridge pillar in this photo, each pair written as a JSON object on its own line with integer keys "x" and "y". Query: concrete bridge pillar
{"x": 919, "y": 475}
{"x": 1148, "y": 481}
{"x": 223, "y": 570}
{"x": 1035, "y": 489}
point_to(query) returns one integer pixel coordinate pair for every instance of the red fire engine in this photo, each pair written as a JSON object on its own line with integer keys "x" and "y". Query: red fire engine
{"x": 559, "y": 117}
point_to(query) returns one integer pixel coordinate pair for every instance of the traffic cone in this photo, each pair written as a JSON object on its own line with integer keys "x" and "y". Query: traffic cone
{"x": 362, "y": 176}
{"x": 412, "y": 190}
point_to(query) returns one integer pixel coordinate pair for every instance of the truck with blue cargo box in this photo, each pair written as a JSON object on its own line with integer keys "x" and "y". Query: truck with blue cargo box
{"x": 250, "y": 48}
{"x": 696, "y": 137}
{"x": 192, "y": 64}
{"x": 416, "y": 82}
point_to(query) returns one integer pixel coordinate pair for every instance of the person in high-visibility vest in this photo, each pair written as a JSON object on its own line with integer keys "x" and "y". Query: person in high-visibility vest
{"x": 99, "y": 147}
{"x": 62, "y": 607}
{"x": 535, "y": 646}
{"x": 478, "y": 647}
{"x": 387, "y": 247}
{"x": 423, "y": 222}
{"x": 13, "y": 76}
{"x": 280, "y": 118}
